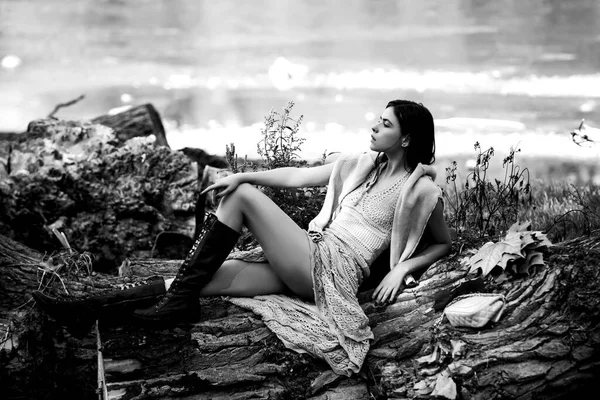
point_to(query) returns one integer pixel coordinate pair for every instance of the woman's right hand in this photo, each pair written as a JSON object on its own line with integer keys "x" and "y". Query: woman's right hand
{"x": 225, "y": 185}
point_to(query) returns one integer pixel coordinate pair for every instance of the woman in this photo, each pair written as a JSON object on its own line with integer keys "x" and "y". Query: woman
{"x": 372, "y": 203}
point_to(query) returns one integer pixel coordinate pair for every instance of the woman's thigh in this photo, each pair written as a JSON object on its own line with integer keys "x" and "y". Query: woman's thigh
{"x": 246, "y": 279}
{"x": 284, "y": 243}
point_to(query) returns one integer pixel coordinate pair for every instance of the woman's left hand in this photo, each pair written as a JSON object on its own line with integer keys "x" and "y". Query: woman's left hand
{"x": 389, "y": 287}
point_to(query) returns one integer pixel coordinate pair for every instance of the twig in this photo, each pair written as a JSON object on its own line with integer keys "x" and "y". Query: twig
{"x": 67, "y": 104}
{"x": 54, "y": 274}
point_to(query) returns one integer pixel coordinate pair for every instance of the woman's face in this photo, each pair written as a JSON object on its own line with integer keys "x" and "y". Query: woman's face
{"x": 386, "y": 134}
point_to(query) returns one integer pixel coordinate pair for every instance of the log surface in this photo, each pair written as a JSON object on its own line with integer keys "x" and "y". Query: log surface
{"x": 545, "y": 345}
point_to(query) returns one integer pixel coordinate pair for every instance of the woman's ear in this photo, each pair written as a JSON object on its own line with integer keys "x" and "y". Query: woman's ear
{"x": 406, "y": 141}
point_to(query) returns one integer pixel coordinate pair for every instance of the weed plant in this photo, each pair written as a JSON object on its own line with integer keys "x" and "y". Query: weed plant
{"x": 232, "y": 158}
{"x": 279, "y": 147}
{"x": 487, "y": 207}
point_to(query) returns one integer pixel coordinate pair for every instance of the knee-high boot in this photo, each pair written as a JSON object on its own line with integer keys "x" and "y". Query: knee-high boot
{"x": 181, "y": 304}
{"x": 78, "y": 314}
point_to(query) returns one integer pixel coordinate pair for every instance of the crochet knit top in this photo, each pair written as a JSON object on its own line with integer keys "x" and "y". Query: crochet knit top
{"x": 412, "y": 208}
{"x": 364, "y": 219}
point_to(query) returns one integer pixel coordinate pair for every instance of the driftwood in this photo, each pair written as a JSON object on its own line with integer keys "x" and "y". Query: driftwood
{"x": 545, "y": 346}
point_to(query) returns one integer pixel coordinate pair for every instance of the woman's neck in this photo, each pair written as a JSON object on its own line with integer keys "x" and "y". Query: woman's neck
{"x": 395, "y": 165}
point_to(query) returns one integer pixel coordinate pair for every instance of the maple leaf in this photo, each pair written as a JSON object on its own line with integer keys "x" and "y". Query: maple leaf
{"x": 509, "y": 257}
{"x": 542, "y": 239}
{"x": 518, "y": 251}
{"x": 533, "y": 259}
{"x": 492, "y": 254}
{"x": 515, "y": 239}
{"x": 528, "y": 240}
{"x": 520, "y": 227}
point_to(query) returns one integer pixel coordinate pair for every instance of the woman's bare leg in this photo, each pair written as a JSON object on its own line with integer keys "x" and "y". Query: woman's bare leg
{"x": 241, "y": 278}
{"x": 246, "y": 279}
{"x": 284, "y": 243}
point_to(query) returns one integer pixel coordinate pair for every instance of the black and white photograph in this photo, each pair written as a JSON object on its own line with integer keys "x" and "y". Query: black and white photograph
{"x": 299, "y": 200}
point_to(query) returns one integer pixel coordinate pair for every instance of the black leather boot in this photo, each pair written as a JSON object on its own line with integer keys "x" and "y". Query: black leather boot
{"x": 180, "y": 305}
{"x": 78, "y": 314}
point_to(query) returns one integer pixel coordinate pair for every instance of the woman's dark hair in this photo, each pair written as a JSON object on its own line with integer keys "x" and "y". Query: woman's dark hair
{"x": 416, "y": 121}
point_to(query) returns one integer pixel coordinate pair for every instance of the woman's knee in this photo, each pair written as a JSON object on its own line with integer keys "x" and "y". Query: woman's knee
{"x": 244, "y": 193}
{"x": 237, "y": 194}
{"x": 236, "y": 206}
{"x": 247, "y": 189}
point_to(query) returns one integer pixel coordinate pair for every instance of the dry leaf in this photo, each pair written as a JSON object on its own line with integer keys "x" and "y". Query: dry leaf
{"x": 514, "y": 239}
{"x": 533, "y": 258}
{"x": 520, "y": 227}
{"x": 528, "y": 240}
{"x": 490, "y": 256}
{"x": 542, "y": 239}
{"x": 516, "y": 251}
{"x": 458, "y": 348}
{"x": 445, "y": 386}
{"x": 510, "y": 257}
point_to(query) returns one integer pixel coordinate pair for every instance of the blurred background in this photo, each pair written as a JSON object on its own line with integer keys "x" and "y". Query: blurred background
{"x": 501, "y": 72}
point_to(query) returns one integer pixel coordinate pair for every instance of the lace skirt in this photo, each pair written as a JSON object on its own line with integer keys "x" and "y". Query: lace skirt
{"x": 334, "y": 328}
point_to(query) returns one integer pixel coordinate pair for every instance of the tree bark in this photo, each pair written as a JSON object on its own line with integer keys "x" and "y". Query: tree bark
{"x": 142, "y": 120}
{"x": 545, "y": 346}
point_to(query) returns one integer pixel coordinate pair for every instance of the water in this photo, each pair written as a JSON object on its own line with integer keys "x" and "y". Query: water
{"x": 503, "y": 72}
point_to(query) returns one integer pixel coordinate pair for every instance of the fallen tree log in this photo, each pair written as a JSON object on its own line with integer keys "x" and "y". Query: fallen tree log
{"x": 142, "y": 120}
{"x": 544, "y": 347}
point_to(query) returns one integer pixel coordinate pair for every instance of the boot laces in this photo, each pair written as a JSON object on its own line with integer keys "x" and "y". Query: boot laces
{"x": 131, "y": 285}
{"x": 119, "y": 287}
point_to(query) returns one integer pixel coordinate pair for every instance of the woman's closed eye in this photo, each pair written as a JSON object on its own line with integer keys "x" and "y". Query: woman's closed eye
{"x": 385, "y": 122}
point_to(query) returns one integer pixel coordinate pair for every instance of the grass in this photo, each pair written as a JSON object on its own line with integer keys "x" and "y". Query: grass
{"x": 563, "y": 210}
{"x": 558, "y": 201}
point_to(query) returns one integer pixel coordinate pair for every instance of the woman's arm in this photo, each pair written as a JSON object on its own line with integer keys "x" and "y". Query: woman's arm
{"x": 290, "y": 177}
{"x": 287, "y": 177}
{"x": 439, "y": 247}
